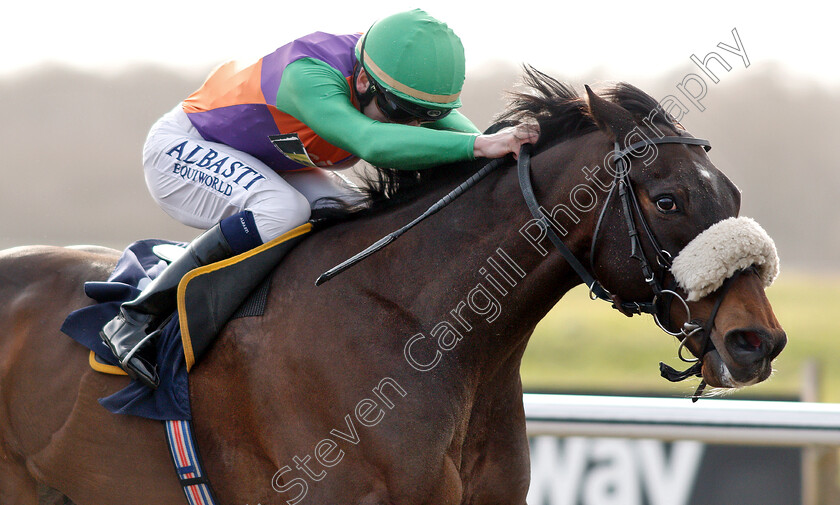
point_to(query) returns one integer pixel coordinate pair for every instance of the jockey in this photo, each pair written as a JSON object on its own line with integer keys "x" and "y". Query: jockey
{"x": 387, "y": 97}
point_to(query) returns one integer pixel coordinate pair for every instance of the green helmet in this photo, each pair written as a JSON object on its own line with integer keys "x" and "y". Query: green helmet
{"x": 416, "y": 58}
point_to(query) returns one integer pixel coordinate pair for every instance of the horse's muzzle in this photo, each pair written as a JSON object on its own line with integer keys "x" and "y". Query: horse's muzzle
{"x": 746, "y": 358}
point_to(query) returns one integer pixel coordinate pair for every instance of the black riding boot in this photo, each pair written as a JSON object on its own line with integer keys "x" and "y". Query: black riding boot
{"x": 137, "y": 325}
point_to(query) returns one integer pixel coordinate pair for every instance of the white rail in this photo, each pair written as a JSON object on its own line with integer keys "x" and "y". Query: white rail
{"x": 708, "y": 420}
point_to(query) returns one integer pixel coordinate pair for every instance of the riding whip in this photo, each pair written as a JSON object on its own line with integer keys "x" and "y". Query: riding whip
{"x": 387, "y": 239}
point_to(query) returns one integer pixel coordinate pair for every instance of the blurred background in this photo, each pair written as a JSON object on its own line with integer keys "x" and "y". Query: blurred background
{"x": 81, "y": 83}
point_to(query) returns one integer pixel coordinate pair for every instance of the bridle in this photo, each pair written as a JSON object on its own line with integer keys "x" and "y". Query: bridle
{"x": 629, "y": 204}
{"x": 630, "y": 208}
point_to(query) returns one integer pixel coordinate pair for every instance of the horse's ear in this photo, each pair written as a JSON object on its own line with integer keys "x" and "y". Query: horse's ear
{"x": 610, "y": 117}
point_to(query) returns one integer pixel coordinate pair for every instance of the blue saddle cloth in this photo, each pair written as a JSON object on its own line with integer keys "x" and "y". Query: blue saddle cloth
{"x": 137, "y": 266}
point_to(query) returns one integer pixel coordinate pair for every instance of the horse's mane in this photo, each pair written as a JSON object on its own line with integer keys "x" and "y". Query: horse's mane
{"x": 557, "y": 107}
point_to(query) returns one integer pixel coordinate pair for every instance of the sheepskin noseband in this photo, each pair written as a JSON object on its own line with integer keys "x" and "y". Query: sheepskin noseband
{"x": 724, "y": 248}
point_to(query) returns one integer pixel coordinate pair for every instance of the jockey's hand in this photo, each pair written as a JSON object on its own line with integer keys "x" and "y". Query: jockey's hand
{"x": 506, "y": 140}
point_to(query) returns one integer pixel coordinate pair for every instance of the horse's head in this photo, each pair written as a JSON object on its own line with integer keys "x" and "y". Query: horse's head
{"x": 705, "y": 268}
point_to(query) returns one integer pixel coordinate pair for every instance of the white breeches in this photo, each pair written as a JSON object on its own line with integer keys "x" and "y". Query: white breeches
{"x": 199, "y": 183}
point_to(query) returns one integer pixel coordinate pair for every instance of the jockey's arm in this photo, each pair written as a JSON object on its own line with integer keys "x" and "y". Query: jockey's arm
{"x": 318, "y": 95}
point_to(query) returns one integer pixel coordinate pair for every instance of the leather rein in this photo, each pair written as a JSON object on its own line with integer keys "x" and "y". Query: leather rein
{"x": 631, "y": 209}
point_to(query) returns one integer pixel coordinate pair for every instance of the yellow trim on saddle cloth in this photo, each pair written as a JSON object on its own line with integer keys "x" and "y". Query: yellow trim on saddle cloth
{"x": 189, "y": 357}
{"x": 104, "y": 367}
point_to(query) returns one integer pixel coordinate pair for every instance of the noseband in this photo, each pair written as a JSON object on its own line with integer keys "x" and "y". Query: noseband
{"x": 631, "y": 210}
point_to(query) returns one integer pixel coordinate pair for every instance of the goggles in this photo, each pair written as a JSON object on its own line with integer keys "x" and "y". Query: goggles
{"x": 402, "y": 111}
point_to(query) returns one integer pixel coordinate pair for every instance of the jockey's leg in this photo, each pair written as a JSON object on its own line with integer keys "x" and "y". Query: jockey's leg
{"x": 199, "y": 183}
{"x": 134, "y": 328}
{"x": 205, "y": 185}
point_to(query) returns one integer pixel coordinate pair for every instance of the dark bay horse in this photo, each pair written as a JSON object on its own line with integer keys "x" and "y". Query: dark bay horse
{"x": 398, "y": 381}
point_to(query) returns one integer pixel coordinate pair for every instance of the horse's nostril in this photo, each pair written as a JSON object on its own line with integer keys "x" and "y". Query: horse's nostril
{"x": 748, "y": 346}
{"x": 752, "y": 339}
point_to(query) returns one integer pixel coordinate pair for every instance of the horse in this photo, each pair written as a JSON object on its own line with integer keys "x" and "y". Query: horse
{"x": 398, "y": 381}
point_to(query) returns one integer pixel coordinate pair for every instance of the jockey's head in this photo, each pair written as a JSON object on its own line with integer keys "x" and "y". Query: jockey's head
{"x": 415, "y": 66}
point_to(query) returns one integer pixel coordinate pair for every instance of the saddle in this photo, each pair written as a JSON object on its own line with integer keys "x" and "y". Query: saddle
{"x": 204, "y": 308}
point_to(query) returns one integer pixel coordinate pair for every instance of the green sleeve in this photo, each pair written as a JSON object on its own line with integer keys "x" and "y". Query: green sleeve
{"x": 317, "y": 95}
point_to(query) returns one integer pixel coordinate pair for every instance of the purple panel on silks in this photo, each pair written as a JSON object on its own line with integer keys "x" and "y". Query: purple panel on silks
{"x": 335, "y": 50}
{"x": 254, "y": 125}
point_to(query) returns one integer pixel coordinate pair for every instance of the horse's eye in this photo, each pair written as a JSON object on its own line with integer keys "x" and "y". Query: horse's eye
{"x": 666, "y": 204}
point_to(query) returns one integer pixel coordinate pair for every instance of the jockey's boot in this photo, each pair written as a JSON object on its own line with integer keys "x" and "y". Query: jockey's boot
{"x": 138, "y": 324}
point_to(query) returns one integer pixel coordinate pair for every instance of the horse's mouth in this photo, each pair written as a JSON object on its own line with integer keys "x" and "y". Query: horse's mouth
{"x": 716, "y": 373}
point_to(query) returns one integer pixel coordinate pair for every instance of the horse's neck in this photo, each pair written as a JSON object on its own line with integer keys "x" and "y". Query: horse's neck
{"x": 470, "y": 274}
